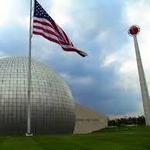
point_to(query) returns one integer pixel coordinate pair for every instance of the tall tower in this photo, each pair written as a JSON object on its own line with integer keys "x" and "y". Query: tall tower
{"x": 134, "y": 30}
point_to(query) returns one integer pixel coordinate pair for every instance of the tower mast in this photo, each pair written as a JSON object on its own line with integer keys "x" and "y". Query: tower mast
{"x": 134, "y": 30}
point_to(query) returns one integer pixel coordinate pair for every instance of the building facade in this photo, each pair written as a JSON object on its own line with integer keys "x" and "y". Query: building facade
{"x": 88, "y": 121}
{"x": 52, "y": 104}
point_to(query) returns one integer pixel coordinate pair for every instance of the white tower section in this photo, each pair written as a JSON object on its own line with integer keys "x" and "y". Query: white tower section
{"x": 134, "y": 30}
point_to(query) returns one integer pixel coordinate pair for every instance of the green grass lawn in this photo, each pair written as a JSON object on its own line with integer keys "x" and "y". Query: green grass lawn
{"x": 131, "y": 138}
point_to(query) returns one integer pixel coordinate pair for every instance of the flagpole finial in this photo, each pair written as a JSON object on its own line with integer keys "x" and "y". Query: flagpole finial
{"x": 134, "y": 30}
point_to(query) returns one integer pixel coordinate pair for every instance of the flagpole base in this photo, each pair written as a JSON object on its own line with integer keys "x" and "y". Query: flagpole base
{"x": 29, "y": 134}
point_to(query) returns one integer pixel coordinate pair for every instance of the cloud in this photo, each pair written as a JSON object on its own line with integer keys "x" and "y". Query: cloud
{"x": 23, "y": 21}
{"x": 128, "y": 67}
{"x": 81, "y": 81}
{"x": 5, "y": 13}
{"x": 106, "y": 43}
{"x": 61, "y": 11}
{"x": 109, "y": 60}
{"x": 133, "y": 15}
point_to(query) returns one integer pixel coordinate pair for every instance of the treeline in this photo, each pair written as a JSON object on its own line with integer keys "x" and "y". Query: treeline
{"x": 127, "y": 121}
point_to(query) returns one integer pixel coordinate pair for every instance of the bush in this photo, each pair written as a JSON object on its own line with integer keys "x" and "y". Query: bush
{"x": 140, "y": 120}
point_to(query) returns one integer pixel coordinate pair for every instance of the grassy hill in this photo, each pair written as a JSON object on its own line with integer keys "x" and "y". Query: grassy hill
{"x": 126, "y": 138}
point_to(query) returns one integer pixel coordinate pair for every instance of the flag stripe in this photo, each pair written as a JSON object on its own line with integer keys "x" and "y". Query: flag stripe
{"x": 64, "y": 35}
{"x": 83, "y": 54}
{"x": 46, "y": 34}
{"x": 45, "y": 26}
{"x": 47, "y": 30}
{"x": 49, "y": 36}
{"x": 42, "y": 21}
{"x": 54, "y": 26}
{"x": 59, "y": 30}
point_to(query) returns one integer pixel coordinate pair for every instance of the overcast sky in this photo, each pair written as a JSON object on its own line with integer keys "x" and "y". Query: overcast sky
{"x": 106, "y": 80}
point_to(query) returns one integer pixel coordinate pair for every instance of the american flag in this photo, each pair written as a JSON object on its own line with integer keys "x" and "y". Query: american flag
{"x": 45, "y": 26}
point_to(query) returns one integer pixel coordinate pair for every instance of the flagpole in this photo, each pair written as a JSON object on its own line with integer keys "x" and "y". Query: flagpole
{"x": 29, "y": 77}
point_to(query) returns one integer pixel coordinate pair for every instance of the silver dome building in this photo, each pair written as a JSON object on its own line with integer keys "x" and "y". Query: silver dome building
{"x": 52, "y": 105}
